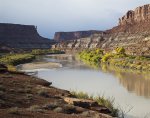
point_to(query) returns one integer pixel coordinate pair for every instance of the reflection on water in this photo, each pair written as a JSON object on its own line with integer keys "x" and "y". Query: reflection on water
{"x": 133, "y": 81}
{"x": 129, "y": 88}
{"x": 138, "y": 84}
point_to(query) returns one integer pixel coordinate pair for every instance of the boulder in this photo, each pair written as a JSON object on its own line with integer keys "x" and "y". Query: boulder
{"x": 81, "y": 102}
{"x": 87, "y": 104}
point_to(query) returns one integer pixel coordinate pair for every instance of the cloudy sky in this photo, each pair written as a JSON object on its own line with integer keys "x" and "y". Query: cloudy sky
{"x": 66, "y": 15}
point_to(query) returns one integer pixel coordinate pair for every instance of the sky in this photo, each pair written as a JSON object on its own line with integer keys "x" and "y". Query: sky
{"x": 52, "y": 16}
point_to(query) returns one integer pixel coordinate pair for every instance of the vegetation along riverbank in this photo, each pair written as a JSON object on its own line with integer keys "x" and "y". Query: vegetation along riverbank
{"x": 11, "y": 60}
{"x": 117, "y": 58}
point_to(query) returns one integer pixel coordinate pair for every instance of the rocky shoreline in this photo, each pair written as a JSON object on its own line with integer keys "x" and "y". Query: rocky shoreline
{"x": 25, "y": 96}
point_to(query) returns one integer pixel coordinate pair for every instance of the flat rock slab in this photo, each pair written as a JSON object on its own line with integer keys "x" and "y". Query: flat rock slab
{"x": 81, "y": 102}
{"x": 88, "y": 104}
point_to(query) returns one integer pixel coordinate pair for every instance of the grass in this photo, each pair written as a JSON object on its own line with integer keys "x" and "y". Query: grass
{"x": 101, "y": 100}
{"x": 81, "y": 95}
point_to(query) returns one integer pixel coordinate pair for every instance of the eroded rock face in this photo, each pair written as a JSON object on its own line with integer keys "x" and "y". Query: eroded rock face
{"x": 94, "y": 41}
{"x": 74, "y": 35}
{"x": 22, "y": 36}
{"x": 140, "y": 14}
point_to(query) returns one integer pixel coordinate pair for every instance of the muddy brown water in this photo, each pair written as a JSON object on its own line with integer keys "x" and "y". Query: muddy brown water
{"x": 129, "y": 89}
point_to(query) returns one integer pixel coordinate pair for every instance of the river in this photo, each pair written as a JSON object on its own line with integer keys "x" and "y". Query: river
{"x": 130, "y": 90}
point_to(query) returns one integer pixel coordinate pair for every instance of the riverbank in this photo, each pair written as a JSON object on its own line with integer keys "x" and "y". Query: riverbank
{"x": 116, "y": 58}
{"x": 26, "y": 96}
{"x": 40, "y": 65}
{"x": 11, "y": 60}
{"x": 22, "y": 95}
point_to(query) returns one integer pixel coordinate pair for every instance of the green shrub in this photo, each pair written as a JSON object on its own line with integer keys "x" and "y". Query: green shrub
{"x": 120, "y": 59}
{"x": 16, "y": 59}
{"x": 45, "y": 51}
{"x": 93, "y": 56}
{"x": 120, "y": 50}
{"x": 106, "y": 57}
{"x": 99, "y": 51}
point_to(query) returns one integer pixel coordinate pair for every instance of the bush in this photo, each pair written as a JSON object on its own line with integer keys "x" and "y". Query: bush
{"x": 106, "y": 57}
{"x": 93, "y": 56}
{"x": 120, "y": 50}
{"x": 120, "y": 59}
{"x": 46, "y": 51}
{"x": 16, "y": 59}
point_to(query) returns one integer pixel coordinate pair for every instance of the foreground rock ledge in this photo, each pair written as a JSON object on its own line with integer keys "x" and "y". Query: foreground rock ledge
{"x": 29, "y": 97}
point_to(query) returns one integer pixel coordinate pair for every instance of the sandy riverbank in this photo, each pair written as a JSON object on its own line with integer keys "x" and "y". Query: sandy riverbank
{"x": 37, "y": 65}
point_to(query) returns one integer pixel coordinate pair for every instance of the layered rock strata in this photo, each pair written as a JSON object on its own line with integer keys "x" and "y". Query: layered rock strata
{"x": 22, "y": 36}
{"x": 140, "y": 14}
{"x": 59, "y": 36}
{"x": 132, "y": 33}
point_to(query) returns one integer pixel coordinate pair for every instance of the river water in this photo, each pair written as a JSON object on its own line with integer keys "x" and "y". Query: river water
{"x": 130, "y": 90}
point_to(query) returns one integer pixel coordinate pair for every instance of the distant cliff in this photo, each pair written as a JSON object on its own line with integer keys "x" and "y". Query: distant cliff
{"x": 140, "y": 14}
{"x": 22, "y": 36}
{"x": 134, "y": 21}
{"x": 74, "y": 35}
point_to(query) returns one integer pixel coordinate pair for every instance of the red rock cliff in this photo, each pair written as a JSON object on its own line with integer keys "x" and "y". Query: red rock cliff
{"x": 22, "y": 36}
{"x": 140, "y": 14}
{"x": 132, "y": 33}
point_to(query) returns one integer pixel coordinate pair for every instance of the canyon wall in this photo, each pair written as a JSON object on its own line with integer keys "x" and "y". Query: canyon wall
{"x": 22, "y": 37}
{"x": 59, "y": 36}
{"x": 132, "y": 33}
{"x": 140, "y": 14}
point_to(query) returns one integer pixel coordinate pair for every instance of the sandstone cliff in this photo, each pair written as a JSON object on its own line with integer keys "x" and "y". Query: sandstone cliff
{"x": 132, "y": 33}
{"x": 140, "y": 14}
{"x": 22, "y": 36}
{"x": 74, "y": 35}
